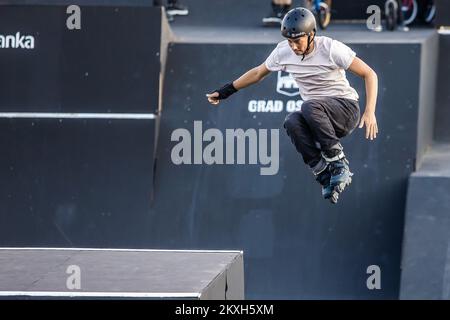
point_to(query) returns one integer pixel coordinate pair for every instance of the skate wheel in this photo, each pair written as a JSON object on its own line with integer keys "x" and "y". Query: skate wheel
{"x": 334, "y": 197}
{"x": 340, "y": 188}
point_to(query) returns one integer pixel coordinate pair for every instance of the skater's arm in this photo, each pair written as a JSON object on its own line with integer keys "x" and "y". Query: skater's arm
{"x": 252, "y": 76}
{"x": 361, "y": 69}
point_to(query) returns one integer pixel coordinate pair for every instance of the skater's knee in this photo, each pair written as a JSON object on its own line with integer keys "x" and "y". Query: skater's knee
{"x": 291, "y": 121}
{"x": 309, "y": 108}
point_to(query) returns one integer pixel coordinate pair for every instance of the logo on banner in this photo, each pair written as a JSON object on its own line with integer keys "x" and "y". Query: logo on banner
{"x": 16, "y": 41}
{"x": 286, "y": 84}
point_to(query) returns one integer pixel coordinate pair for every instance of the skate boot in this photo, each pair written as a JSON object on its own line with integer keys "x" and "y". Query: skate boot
{"x": 341, "y": 177}
{"x": 324, "y": 179}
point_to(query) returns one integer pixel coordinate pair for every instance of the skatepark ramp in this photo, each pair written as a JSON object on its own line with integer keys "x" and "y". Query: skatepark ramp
{"x": 90, "y": 131}
{"x": 78, "y": 123}
{"x": 296, "y": 244}
{"x": 426, "y": 246}
{"x": 120, "y": 274}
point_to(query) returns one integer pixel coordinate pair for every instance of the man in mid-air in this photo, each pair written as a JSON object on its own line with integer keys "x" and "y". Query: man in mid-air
{"x": 330, "y": 110}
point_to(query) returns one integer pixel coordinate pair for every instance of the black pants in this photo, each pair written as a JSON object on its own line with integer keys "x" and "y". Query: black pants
{"x": 324, "y": 121}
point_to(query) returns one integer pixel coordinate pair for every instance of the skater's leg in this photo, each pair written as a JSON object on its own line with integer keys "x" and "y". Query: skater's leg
{"x": 331, "y": 119}
{"x": 301, "y": 136}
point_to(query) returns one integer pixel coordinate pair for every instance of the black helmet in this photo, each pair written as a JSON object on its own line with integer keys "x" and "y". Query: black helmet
{"x": 298, "y": 22}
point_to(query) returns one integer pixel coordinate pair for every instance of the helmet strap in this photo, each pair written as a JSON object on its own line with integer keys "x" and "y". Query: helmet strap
{"x": 310, "y": 40}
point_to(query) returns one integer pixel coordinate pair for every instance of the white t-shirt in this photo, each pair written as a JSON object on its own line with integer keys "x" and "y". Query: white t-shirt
{"x": 321, "y": 73}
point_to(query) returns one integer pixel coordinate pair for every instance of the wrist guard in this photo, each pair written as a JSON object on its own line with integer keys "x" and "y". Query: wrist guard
{"x": 226, "y": 91}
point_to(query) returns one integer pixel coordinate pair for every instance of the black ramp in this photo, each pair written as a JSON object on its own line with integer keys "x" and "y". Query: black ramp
{"x": 91, "y": 182}
{"x": 112, "y": 64}
{"x": 442, "y": 129}
{"x": 442, "y": 13}
{"x": 110, "y": 273}
{"x": 426, "y": 246}
{"x": 75, "y": 182}
{"x": 297, "y": 245}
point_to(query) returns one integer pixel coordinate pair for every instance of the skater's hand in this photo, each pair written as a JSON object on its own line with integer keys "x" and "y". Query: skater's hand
{"x": 370, "y": 121}
{"x": 213, "y": 98}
